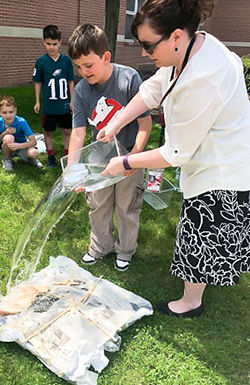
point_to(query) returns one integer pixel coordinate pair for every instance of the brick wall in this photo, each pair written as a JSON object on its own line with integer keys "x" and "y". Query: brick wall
{"x": 18, "y": 54}
{"x": 17, "y": 60}
{"x": 230, "y": 24}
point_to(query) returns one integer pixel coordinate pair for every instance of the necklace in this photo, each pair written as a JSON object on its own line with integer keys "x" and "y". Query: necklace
{"x": 184, "y": 63}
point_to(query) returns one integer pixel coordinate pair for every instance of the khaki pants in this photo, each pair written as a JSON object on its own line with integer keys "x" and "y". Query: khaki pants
{"x": 125, "y": 199}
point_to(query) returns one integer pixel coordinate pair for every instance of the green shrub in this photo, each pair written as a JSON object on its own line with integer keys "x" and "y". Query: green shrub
{"x": 246, "y": 64}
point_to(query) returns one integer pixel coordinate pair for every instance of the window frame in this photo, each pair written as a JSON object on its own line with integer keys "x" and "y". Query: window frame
{"x": 131, "y": 13}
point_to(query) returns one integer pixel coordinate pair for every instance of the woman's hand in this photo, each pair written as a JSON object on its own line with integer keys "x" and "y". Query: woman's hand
{"x": 114, "y": 167}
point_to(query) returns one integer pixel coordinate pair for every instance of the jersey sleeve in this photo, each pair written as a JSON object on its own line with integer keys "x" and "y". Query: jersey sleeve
{"x": 37, "y": 72}
{"x": 71, "y": 70}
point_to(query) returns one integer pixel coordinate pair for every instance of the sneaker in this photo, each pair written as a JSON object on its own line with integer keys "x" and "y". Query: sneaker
{"x": 36, "y": 163}
{"x": 7, "y": 164}
{"x": 51, "y": 161}
{"x": 87, "y": 259}
{"x": 122, "y": 265}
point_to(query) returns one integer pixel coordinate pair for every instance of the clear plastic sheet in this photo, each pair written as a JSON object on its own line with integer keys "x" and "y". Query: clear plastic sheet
{"x": 81, "y": 168}
{"x": 84, "y": 167}
{"x": 68, "y": 318}
{"x": 159, "y": 199}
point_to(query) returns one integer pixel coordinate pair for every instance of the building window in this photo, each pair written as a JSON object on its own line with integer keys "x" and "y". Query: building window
{"x": 132, "y": 8}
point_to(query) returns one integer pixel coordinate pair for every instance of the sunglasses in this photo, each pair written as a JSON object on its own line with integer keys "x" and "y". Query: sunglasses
{"x": 150, "y": 48}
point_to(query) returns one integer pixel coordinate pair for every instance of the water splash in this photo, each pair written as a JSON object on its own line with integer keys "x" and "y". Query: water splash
{"x": 81, "y": 168}
{"x": 37, "y": 230}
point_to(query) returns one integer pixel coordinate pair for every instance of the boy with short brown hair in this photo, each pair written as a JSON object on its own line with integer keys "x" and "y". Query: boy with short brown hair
{"x": 103, "y": 91}
{"x": 16, "y": 136}
{"x": 53, "y": 73}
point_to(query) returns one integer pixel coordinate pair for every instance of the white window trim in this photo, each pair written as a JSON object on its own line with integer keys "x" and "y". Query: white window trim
{"x": 35, "y": 33}
{"x": 135, "y": 9}
{"x": 236, "y": 43}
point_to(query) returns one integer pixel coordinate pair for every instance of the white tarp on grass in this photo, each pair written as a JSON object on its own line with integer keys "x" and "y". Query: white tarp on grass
{"x": 68, "y": 318}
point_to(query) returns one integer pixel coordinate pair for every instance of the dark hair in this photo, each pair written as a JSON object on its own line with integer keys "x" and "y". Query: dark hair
{"x": 7, "y": 100}
{"x": 52, "y": 32}
{"x": 164, "y": 16}
{"x": 87, "y": 38}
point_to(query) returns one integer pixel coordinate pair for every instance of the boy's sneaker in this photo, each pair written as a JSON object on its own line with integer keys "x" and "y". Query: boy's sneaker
{"x": 51, "y": 161}
{"x": 87, "y": 259}
{"x": 122, "y": 265}
{"x": 36, "y": 163}
{"x": 7, "y": 164}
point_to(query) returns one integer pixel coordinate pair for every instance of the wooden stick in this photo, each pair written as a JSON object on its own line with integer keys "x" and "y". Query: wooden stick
{"x": 99, "y": 326}
{"x": 44, "y": 327}
{"x": 85, "y": 298}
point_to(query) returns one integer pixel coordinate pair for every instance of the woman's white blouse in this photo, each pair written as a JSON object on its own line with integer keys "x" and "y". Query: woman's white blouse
{"x": 207, "y": 117}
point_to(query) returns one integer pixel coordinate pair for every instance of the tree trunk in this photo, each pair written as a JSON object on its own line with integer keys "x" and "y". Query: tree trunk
{"x": 112, "y": 8}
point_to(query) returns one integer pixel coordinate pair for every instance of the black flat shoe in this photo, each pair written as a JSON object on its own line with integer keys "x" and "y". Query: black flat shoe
{"x": 163, "y": 308}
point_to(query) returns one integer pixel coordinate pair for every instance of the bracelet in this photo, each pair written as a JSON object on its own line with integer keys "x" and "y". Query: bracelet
{"x": 125, "y": 162}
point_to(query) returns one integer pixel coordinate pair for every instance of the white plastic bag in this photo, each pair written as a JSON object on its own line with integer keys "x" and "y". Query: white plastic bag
{"x": 72, "y": 320}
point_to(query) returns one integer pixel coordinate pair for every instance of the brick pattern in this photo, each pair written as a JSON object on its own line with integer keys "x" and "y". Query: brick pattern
{"x": 18, "y": 55}
{"x": 230, "y": 23}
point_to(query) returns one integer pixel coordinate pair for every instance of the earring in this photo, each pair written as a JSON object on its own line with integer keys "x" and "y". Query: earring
{"x": 176, "y": 49}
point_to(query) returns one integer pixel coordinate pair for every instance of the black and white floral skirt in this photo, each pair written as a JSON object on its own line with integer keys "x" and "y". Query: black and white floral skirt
{"x": 213, "y": 238}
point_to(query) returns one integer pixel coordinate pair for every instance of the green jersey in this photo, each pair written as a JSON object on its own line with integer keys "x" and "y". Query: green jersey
{"x": 55, "y": 77}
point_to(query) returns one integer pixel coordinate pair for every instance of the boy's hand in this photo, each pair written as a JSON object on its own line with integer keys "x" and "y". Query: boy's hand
{"x": 107, "y": 133}
{"x": 37, "y": 108}
{"x": 79, "y": 189}
{"x": 129, "y": 172}
{"x": 10, "y": 130}
{"x": 14, "y": 146}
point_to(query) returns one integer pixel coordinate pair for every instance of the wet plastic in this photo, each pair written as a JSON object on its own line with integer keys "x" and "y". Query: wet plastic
{"x": 68, "y": 319}
{"x": 160, "y": 200}
{"x": 84, "y": 167}
{"x": 30, "y": 244}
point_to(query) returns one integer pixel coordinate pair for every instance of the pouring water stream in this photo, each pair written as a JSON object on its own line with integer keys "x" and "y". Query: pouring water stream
{"x": 86, "y": 170}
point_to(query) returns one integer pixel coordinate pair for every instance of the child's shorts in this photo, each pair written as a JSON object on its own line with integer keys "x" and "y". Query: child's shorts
{"x": 21, "y": 153}
{"x": 50, "y": 122}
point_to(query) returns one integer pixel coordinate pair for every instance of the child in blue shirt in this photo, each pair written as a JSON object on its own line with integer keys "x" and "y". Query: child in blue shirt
{"x": 16, "y": 136}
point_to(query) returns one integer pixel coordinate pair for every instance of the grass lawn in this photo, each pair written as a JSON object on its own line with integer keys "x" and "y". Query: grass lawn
{"x": 156, "y": 350}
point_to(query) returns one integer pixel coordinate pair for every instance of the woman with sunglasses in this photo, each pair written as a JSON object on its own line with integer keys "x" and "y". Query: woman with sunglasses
{"x": 201, "y": 88}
